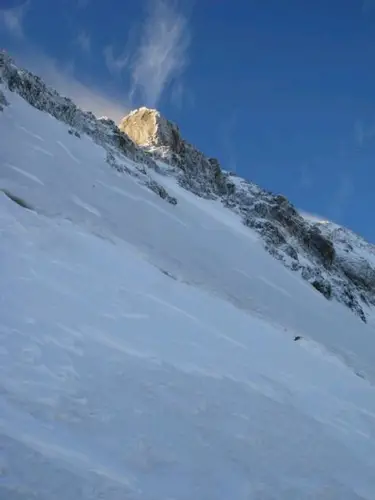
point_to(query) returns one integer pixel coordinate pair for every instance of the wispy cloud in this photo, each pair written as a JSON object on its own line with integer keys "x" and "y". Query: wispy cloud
{"x": 62, "y": 78}
{"x": 83, "y": 41}
{"x": 116, "y": 64}
{"x": 13, "y": 19}
{"x": 157, "y": 56}
{"x": 162, "y": 54}
{"x": 312, "y": 217}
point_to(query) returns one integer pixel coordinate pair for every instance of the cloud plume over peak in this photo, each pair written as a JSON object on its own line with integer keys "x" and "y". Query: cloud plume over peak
{"x": 162, "y": 53}
{"x": 115, "y": 64}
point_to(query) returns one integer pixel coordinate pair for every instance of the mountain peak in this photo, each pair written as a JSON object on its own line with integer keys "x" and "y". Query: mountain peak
{"x": 150, "y": 130}
{"x": 148, "y": 127}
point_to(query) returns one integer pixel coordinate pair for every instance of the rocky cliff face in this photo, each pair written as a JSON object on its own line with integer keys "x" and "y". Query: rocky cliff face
{"x": 162, "y": 139}
{"x": 147, "y": 127}
{"x": 312, "y": 249}
{"x": 337, "y": 263}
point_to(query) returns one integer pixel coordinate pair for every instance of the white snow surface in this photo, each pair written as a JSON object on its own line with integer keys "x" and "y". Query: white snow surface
{"x": 147, "y": 349}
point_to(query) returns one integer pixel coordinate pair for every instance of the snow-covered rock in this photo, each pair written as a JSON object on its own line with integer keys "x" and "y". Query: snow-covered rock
{"x": 161, "y": 138}
{"x": 336, "y": 264}
{"x": 102, "y": 131}
{"x": 3, "y": 101}
{"x": 297, "y": 242}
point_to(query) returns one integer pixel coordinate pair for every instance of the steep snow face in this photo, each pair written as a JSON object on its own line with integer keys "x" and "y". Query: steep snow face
{"x": 146, "y": 346}
{"x": 118, "y": 381}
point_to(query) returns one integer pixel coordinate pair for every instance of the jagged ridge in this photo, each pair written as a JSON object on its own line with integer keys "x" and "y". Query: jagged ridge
{"x": 162, "y": 139}
{"x": 337, "y": 263}
{"x": 301, "y": 246}
{"x": 103, "y": 131}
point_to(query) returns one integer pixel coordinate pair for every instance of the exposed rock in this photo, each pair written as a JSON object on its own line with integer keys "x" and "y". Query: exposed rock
{"x": 290, "y": 251}
{"x": 74, "y": 132}
{"x": 320, "y": 245}
{"x": 158, "y": 189}
{"x": 159, "y": 136}
{"x": 349, "y": 298}
{"x": 147, "y": 127}
{"x": 3, "y": 101}
{"x": 323, "y": 287}
{"x": 359, "y": 271}
{"x": 270, "y": 231}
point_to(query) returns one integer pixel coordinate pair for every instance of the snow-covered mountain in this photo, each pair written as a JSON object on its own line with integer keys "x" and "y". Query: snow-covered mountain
{"x": 149, "y": 139}
{"x": 147, "y": 330}
{"x": 300, "y": 244}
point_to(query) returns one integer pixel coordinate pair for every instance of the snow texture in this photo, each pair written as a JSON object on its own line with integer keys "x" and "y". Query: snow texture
{"x": 146, "y": 347}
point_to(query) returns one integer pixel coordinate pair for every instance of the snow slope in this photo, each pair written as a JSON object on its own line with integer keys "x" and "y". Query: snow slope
{"x": 147, "y": 349}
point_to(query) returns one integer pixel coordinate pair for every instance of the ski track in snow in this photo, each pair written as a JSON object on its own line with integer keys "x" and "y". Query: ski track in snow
{"x": 32, "y": 177}
{"x": 86, "y": 206}
{"x": 134, "y": 315}
{"x": 41, "y": 150}
{"x": 273, "y": 285}
{"x": 31, "y": 134}
{"x": 68, "y": 152}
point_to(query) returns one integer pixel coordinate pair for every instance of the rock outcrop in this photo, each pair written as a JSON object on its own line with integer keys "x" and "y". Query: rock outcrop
{"x": 3, "y": 101}
{"x": 147, "y": 127}
{"x": 162, "y": 138}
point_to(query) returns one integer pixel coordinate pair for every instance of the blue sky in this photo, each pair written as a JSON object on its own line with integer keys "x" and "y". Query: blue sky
{"x": 282, "y": 92}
